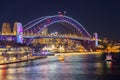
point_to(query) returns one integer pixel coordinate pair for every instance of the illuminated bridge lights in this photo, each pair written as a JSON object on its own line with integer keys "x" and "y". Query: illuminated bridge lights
{"x": 33, "y": 29}
{"x": 55, "y": 19}
{"x": 38, "y": 25}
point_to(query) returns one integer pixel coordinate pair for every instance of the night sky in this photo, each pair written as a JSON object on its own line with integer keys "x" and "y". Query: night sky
{"x": 101, "y": 16}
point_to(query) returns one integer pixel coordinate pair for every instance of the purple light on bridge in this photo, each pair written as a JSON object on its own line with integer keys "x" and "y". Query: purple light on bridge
{"x": 19, "y": 33}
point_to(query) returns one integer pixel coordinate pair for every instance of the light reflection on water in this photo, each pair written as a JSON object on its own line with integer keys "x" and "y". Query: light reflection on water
{"x": 75, "y": 67}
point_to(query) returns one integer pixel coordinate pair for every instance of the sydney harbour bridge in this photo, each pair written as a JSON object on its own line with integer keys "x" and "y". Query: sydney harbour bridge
{"x": 56, "y": 27}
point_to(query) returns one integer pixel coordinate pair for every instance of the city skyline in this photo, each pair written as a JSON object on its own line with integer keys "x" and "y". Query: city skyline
{"x": 96, "y": 16}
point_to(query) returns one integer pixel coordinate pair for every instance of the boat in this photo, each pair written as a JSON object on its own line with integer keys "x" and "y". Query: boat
{"x": 61, "y": 57}
{"x": 108, "y": 57}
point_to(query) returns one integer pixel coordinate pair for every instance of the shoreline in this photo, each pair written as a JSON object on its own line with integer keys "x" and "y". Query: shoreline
{"x": 55, "y": 54}
{"x": 41, "y": 57}
{"x": 74, "y": 53}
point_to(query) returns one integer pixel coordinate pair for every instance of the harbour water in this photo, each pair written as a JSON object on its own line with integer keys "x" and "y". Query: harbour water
{"x": 74, "y": 67}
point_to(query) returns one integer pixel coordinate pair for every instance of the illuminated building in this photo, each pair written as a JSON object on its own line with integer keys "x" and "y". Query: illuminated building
{"x": 105, "y": 40}
{"x": 45, "y": 31}
{"x": 6, "y": 28}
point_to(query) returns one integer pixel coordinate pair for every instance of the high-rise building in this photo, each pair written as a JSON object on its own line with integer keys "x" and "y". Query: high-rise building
{"x": 6, "y": 28}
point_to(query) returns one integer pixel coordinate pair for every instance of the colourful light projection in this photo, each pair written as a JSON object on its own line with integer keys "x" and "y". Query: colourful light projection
{"x": 19, "y": 33}
{"x": 96, "y": 39}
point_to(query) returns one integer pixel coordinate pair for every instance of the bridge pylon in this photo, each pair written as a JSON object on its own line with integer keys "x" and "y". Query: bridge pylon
{"x": 19, "y": 33}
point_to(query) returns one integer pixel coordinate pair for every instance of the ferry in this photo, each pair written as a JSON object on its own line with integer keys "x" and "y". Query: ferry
{"x": 108, "y": 57}
{"x": 61, "y": 57}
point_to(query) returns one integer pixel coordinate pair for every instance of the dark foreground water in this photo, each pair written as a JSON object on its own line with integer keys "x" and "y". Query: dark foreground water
{"x": 74, "y": 67}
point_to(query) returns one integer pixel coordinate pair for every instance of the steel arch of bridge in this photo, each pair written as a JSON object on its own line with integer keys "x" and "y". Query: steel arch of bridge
{"x": 55, "y": 19}
{"x": 39, "y": 24}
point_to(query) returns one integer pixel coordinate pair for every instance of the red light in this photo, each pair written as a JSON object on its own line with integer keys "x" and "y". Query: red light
{"x": 48, "y": 20}
{"x": 60, "y": 13}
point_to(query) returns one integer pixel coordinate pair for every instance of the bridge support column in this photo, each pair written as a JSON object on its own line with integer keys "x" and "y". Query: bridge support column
{"x": 95, "y": 43}
{"x": 19, "y": 32}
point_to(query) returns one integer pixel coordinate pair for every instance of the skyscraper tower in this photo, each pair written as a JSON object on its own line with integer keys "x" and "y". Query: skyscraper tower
{"x": 6, "y": 28}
